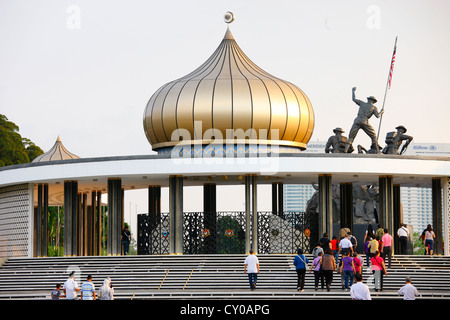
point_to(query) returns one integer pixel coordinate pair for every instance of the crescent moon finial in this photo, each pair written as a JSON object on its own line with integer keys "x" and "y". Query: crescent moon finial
{"x": 228, "y": 17}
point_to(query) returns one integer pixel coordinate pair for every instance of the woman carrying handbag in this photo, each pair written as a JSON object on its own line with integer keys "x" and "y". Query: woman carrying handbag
{"x": 378, "y": 269}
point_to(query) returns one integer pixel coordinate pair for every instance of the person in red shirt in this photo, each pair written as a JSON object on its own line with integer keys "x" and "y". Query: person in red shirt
{"x": 387, "y": 246}
{"x": 335, "y": 247}
{"x": 380, "y": 246}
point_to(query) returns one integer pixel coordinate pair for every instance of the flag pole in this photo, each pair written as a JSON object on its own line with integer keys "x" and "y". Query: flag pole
{"x": 388, "y": 83}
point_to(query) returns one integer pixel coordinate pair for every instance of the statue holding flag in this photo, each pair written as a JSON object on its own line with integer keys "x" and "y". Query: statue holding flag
{"x": 366, "y": 110}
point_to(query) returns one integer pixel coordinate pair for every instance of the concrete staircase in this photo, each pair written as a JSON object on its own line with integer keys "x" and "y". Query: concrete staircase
{"x": 208, "y": 277}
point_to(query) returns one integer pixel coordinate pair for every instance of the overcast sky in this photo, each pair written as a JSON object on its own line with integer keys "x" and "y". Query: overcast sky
{"x": 84, "y": 70}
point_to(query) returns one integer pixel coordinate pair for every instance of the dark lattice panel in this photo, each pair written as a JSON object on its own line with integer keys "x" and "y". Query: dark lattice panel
{"x": 214, "y": 232}
{"x": 286, "y": 234}
{"x": 225, "y": 233}
{"x": 153, "y": 234}
{"x": 143, "y": 238}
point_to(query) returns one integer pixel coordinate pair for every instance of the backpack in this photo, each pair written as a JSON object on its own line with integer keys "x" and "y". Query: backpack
{"x": 316, "y": 251}
{"x": 353, "y": 240}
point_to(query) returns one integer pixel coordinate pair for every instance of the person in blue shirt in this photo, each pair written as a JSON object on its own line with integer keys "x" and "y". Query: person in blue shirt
{"x": 300, "y": 262}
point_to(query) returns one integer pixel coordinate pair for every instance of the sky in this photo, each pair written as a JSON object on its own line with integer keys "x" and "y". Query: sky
{"x": 85, "y": 70}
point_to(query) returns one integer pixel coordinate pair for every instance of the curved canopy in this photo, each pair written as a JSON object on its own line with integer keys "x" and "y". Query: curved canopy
{"x": 57, "y": 152}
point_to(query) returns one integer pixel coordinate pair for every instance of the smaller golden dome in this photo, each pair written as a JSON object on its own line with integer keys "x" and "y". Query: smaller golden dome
{"x": 229, "y": 98}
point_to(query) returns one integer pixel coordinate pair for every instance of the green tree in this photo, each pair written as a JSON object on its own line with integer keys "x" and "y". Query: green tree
{"x": 13, "y": 148}
{"x": 55, "y": 231}
{"x": 418, "y": 247}
{"x": 33, "y": 150}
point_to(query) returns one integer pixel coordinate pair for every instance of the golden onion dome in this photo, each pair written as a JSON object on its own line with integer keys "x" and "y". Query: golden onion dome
{"x": 226, "y": 96}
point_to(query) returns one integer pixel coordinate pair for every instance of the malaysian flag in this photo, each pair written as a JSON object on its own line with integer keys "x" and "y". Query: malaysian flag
{"x": 391, "y": 70}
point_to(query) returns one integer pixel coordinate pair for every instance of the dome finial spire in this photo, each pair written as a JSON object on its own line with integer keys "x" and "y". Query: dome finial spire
{"x": 228, "y": 17}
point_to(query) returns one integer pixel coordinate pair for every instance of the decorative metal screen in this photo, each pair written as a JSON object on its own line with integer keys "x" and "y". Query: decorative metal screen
{"x": 153, "y": 234}
{"x": 143, "y": 236}
{"x": 15, "y": 204}
{"x": 214, "y": 232}
{"x": 286, "y": 233}
{"x": 224, "y": 233}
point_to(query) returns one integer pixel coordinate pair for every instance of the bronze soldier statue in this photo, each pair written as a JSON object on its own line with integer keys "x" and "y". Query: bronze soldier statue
{"x": 366, "y": 110}
{"x": 395, "y": 139}
{"x": 336, "y": 143}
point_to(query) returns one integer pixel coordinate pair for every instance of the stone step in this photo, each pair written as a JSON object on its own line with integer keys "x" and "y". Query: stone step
{"x": 215, "y": 276}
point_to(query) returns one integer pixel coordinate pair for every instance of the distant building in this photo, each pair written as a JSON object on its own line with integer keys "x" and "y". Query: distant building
{"x": 296, "y": 196}
{"x": 417, "y": 206}
{"x": 417, "y": 202}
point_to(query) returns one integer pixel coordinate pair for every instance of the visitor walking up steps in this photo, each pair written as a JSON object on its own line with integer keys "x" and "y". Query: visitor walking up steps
{"x": 347, "y": 270}
{"x": 335, "y": 247}
{"x": 373, "y": 247}
{"x": 357, "y": 263}
{"x": 106, "y": 291}
{"x": 367, "y": 251}
{"x": 328, "y": 265}
{"x": 428, "y": 240}
{"x": 318, "y": 274}
{"x": 379, "y": 269}
{"x": 251, "y": 267}
{"x": 387, "y": 247}
{"x": 345, "y": 245}
{"x": 71, "y": 288}
{"x": 360, "y": 291}
{"x": 300, "y": 262}
{"x": 56, "y": 293}
{"x": 408, "y": 291}
{"x": 88, "y": 289}
{"x": 403, "y": 234}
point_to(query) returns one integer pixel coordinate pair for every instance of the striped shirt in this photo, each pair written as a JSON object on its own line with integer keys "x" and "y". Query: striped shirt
{"x": 87, "y": 290}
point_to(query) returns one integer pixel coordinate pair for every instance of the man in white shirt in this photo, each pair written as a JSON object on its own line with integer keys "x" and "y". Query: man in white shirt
{"x": 360, "y": 291}
{"x": 408, "y": 291}
{"x": 345, "y": 245}
{"x": 403, "y": 234}
{"x": 251, "y": 267}
{"x": 70, "y": 287}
